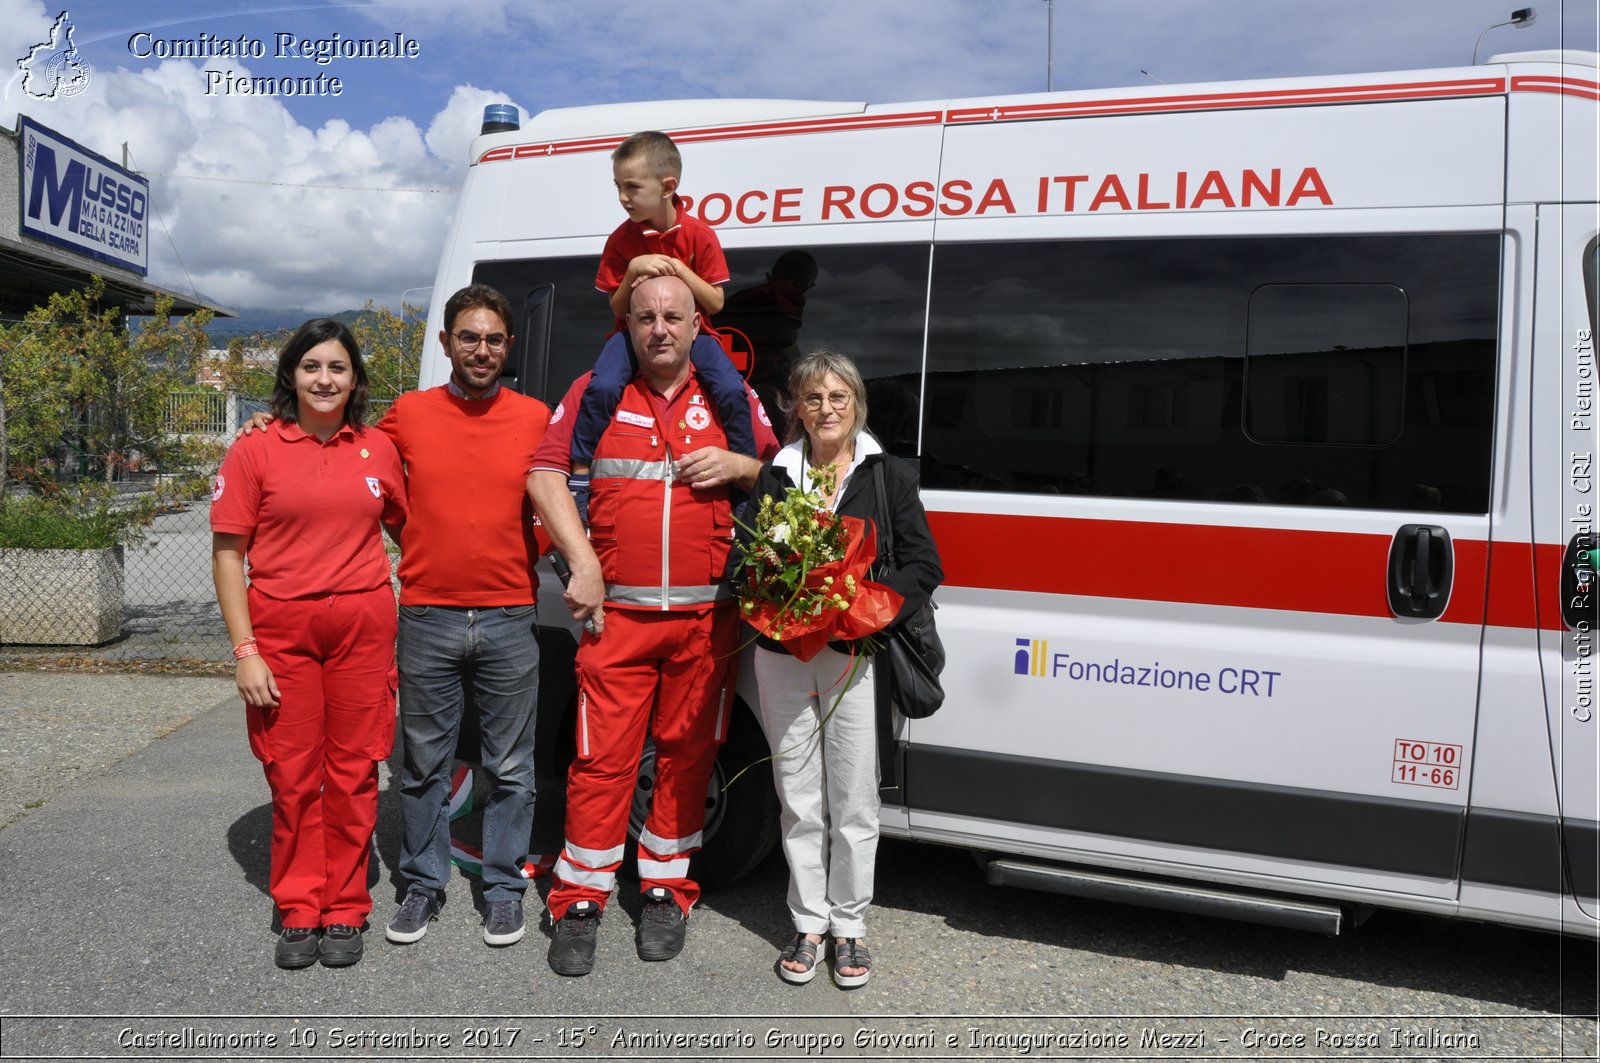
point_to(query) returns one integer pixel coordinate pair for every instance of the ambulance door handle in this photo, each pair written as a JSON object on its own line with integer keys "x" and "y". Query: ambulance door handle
{"x": 1421, "y": 565}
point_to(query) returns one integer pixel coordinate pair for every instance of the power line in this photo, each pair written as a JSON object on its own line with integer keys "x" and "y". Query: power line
{"x": 291, "y": 184}
{"x": 163, "y": 223}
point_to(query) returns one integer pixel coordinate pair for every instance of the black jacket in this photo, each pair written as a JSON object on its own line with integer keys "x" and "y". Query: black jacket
{"x": 916, "y": 570}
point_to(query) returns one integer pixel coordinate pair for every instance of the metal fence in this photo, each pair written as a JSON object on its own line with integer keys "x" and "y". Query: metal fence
{"x": 205, "y": 411}
{"x": 169, "y": 608}
{"x": 218, "y": 414}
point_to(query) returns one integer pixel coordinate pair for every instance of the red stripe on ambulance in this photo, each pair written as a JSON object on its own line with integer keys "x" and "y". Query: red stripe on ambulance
{"x": 1294, "y": 570}
{"x": 1588, "y": 90}
{"x": 1001, "y": 112}
{"x": 1213, "y": 100}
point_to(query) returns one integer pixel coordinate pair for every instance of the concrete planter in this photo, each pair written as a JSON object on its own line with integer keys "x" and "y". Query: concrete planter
{"x": 60, "y": 597}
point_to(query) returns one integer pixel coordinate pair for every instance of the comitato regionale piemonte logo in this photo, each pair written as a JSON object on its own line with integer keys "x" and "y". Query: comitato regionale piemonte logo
{"x": 53, "y": 68}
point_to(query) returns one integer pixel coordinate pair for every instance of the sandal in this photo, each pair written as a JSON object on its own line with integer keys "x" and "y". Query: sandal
{"x": 801, "y": 950}
{"x": 851, "y": 952}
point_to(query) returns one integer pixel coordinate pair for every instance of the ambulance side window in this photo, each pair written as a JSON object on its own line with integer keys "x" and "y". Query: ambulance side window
{"x": 1341, "y": 370}
{"x": 864, "y": 301}
{"x": 867, "y": 302}
{"x": 1325, "y": 363}
{"x": 561, "y": 320}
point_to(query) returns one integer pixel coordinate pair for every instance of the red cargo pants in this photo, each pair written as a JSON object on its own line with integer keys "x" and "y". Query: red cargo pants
{"x": 333, "y": 659}
{"x": 681, "y": 665}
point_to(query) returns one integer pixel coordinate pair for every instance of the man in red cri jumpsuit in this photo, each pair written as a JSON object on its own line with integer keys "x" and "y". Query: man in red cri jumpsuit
{"x": 663, "y": 629}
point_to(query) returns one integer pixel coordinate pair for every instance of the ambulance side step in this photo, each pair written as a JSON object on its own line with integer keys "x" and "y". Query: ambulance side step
{"x": 1099, "y": 885}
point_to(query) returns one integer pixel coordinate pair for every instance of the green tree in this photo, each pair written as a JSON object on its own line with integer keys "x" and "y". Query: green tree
{"x": 82, "y": 395}
{"x": 33, "y": 419}
{"x": 391, "y": 346}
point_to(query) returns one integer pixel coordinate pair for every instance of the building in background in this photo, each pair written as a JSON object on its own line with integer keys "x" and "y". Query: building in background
{"x": 75, "y": 214}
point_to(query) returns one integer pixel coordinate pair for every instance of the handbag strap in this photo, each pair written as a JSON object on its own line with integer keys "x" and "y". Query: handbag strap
{"x": 885, "y": 530}
{"x": 890, "y": 756}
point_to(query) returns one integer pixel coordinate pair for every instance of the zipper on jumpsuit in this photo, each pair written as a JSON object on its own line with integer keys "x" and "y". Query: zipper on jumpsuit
{"x": 666, "y": 524}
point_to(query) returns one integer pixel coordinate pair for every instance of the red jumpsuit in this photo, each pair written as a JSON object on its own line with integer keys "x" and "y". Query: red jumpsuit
{"x": 670, "y": 640}
{"x": 322, "y": 610}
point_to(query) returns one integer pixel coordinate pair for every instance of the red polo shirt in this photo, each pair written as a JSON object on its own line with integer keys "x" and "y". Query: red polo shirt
{"x": 312, "y": 511}
{"x": 689, "y": 240}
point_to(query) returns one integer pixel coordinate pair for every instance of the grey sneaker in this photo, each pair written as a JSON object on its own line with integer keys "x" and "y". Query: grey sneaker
{"x": 420, "y": 908}
{"x": 662, "y": 926}
{"x": 573, "y": 939}
{"x": 502, "y": 923}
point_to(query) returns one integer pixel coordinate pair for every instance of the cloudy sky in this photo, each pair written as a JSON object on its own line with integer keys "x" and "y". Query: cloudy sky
{"x": 324, "y": 202}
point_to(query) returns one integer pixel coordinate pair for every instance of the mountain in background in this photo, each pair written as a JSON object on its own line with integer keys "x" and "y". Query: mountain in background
{"x": 271, "y": 323}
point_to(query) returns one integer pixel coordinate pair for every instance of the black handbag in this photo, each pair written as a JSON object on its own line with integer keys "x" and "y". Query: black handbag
{"x": 907, "y": 668}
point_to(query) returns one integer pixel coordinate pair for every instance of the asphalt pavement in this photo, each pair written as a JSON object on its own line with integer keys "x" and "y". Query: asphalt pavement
{"x": 138, "y": 887}
{"x": 134, "y": 921}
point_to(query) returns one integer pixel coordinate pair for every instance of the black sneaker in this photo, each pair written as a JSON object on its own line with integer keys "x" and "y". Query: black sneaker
{"x": 573, "y": 940}
{"x": 502, "y": 923}
{"x": 341, "y": 945}
{"x": 662, "y": 926}
{"x": 420, "y": 908}
{"x": 297, "y": 947}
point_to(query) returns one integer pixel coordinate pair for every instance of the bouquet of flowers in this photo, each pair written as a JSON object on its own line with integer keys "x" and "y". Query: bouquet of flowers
{"x": 803, "y": 577}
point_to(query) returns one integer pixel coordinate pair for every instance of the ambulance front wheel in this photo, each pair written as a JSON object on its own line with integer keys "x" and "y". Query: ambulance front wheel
{"x": 741, "y": 817}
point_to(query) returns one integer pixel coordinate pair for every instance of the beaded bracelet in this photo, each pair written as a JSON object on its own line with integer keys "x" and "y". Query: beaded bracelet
{"x": 245, "y": 648}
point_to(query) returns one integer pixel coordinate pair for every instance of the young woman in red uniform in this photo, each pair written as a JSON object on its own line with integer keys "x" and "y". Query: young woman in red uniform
{"x": 314, "y": 632}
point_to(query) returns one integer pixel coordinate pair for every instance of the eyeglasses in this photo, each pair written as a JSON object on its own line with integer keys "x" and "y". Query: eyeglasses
{"x": 839, "y": 400}
{"x": 471, "y": 341}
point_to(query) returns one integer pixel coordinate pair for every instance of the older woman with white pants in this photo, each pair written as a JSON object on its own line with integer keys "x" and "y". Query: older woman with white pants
{"x": 825, "y": 766}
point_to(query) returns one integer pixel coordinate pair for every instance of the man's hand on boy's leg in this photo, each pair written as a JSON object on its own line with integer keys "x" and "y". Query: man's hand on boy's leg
{"x": 578, "y": 484}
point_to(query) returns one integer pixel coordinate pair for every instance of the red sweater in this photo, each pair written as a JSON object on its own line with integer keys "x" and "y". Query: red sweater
{"x": 468, "y": 539}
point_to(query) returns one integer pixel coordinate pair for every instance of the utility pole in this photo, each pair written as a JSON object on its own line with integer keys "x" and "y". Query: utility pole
{"x": 1050, "y": 46}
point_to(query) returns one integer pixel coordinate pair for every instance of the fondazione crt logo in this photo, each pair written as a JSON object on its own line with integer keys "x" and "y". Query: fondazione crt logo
{"x": 1030, "y": 658}
{"x": 1035, "y": 659}
{"x": 53, "y": 68}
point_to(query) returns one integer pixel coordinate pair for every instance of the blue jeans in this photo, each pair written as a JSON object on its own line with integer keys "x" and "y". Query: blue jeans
{"x": 444, "y": 652}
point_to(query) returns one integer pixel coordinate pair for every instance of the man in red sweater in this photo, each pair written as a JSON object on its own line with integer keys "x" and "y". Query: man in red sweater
{"x": 467, "y": 615}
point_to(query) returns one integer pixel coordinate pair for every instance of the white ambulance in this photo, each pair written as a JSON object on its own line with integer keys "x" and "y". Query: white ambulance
{"x": 1256, "y": 424}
